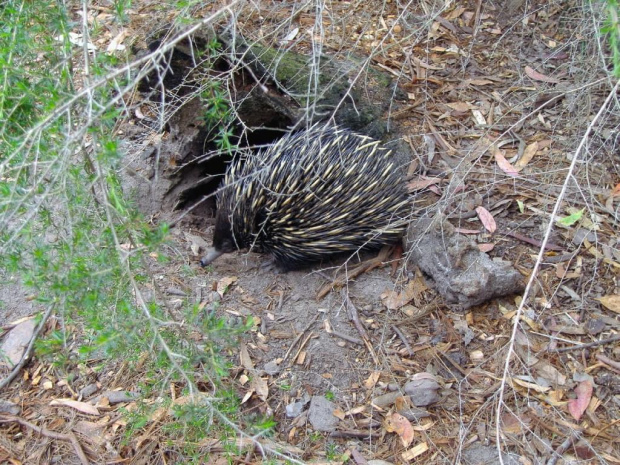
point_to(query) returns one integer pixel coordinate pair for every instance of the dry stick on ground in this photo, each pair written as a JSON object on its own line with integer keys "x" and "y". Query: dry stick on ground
{"x": 355, "y": 272}
{"x": 402, "y": 337}
{"x": 26, "y": 357}
{"x": 353, "y": 315}
{"x": 288, "y": 352}
{"x": 49, "y": 434}
{"x": 537, "y": 264}
{"x": 557, "y": 454}
{"x": 611, "y": 364}
{"x": 590, "y": 344}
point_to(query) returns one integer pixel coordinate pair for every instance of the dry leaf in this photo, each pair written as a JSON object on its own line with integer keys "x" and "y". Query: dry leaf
{"x": 478, "y": 117}
{"x": 577, "y": 406}
{"x": 245, "y": 359}
{"x": 422, "y": 183}
{"x": 487, "y": 219}
{"x": 415, "y": 452}
{"x": 259, "y": 385}
{"x": 504, "y": 164}
{"x": 467, "y": 231}
{"x": 461, "y": 106}
{"x": 372, "y": 380}
{"x": 80, "y": 406}
{"x": 486, "y": 248}
{"x": 611, "y": 302}
{"x": 396, "y": 423}
{"x": 539, "y": 77}
{"x": 224, "y": 284}
{"x": 528, "y": 154}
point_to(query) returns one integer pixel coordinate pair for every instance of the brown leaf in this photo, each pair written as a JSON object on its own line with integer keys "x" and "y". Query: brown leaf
{"x": 260, "y": 386}
{"x": 535, "y": 75}
{"x": 616, "y": 191}
{"x": 372, "y": 380}
{"x": 487, "y": 219}
{"x": 485, "y": 248}
{"x": 528, "y": 154}
{"x": 422, "y": 183}
{"x": 396, "y": 423}
{"x": 611, "y": 302}
{"x": 80, "y": 406}
{"x": 504, "y": 164}
{"x": 577, "y": 406}
{"x": 461, "y": 106}
{"x": 224, "y": 284}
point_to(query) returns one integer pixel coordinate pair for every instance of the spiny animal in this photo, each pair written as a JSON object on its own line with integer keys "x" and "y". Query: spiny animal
{"x": 314, "y": 193}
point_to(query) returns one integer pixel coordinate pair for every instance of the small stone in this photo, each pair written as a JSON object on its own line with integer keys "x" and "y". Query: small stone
{"x": 422, "y": 389}
{"x": 272, "y": 368}
{"x": 294, "y": 410}
{"x": 320, "y": 414}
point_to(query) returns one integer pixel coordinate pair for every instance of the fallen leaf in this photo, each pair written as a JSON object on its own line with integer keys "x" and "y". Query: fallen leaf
{"x": 461, "y": 106}
{"x": 487, "y": 219}
{"x": 504, "y": 164}
{"x": 486, "y": 248}
{"x": 224, "y": 284}
{"x": 478, "y": 117}
{"x": 610, "y": 302}
{"x": 259, "y": 385}
{"x": 616, "y": 191}
{"x": 396, "y": 423}
{"x": 539, "y": 77}
{"x": 467, "y": 231}
{"x": 372, "y": 380}
{"x": 80, "y": 406}
{"x": 415, "y": 452}
{"x": 570, "y": 219}
{"x": 527, "y": 156}
{"x": 577, "y": 406}
{"x": 422, "y": 183}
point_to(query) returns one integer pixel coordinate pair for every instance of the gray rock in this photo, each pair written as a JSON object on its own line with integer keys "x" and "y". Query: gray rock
{"x": 462, "y": 274}
{"x": 320, "y": 414}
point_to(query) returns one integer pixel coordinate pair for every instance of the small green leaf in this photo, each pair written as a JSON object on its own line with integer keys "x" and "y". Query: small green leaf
{"x": 571, "y": 219}
{"x": 521, "y": 206}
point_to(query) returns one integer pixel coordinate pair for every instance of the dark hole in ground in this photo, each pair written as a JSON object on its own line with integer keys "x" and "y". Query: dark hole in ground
{"x": 196, "y": 165}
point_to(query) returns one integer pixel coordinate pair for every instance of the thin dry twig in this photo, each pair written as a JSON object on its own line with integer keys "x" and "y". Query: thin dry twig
{"x": 590, "y": 344}
{"x": 70, "y": 437}
{"x": 354, "y": 316}
{"x": 539, "y": 260}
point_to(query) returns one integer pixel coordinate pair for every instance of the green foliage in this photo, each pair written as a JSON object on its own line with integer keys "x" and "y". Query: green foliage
{"x": 68, "y": 230}
{"x": 612, "y": 29}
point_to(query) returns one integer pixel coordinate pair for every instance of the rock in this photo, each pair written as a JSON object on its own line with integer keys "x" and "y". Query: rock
{"x": 422, "y": 389}
{"x": 462, "y": 274}
{"x": 320, "y": 414}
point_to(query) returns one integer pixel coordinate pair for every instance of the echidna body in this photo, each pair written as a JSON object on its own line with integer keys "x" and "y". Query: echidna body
{"x": 312, "y": 194}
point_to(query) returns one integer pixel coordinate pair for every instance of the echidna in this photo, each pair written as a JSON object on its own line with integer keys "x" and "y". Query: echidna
{"x": 314, "y": 193}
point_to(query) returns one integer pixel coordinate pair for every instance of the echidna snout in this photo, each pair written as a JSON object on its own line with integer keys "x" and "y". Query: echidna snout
{"x": 312, "y": 194}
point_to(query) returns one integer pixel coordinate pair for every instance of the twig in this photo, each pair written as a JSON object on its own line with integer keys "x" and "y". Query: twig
{"x": 353, "y": 315}
{"x": 402, "y": 337}
{"x": 288, "y": 352}
{"x": 26, "y": 357}
{"x": 557, "y": 454}
{"x": 534, "y": 275}
{"x": 590, "y": 344}
{"x": 50, "y": 434}
{"x": 347, "y": 338}
{"x": 611, "y": 364}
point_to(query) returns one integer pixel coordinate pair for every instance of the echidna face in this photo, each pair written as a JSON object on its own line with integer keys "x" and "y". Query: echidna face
{"x": 223, "y": 235}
